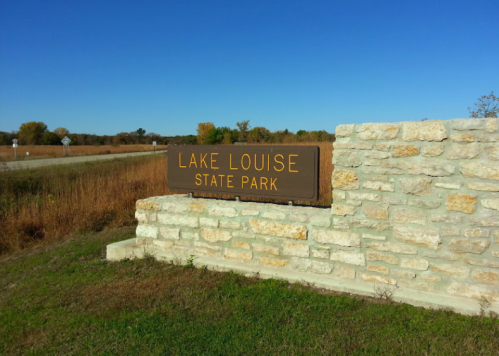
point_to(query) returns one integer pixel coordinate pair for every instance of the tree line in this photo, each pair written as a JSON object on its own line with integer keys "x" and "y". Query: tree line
{"x": 37, "y": 133}
{"x": 209, "y": 134}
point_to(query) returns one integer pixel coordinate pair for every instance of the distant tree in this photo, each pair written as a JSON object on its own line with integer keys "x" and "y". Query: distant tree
{"x": 243, "y": 127}
{"x": 31, "y": 133}
{"x": 61, "y": 132}
{"x": 50, "y": 138}
{"x": 140, "y": 134}
{"x": 3, "y": 138}
{"x": 258, "y": 134}
{"x": 204, "y": 129}
{"x": 486, "y": 106}
{"x": 122, "y": 138}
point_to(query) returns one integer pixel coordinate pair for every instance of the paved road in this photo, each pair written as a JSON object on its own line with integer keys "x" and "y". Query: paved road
{"x": 67, "y": 160}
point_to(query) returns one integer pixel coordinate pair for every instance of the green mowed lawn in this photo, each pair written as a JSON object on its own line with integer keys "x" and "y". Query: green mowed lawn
{"x": 67, "y": 299}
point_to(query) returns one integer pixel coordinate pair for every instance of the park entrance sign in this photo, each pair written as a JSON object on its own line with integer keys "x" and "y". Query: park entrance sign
{"x": 282, "y": 172}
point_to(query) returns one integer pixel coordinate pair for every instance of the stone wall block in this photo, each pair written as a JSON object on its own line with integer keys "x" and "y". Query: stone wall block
{"x": 414, "y": 263}
{"x": 197, "y": 208}
{"x": 335, "y": 237}
{"x": 306, "y": 265}
{"x": 431, "y": 130}
{"x": 425, "y": 204}
{"x": 378, "y": 131}
{"x": 146, "y": 204}
{"x": 369, "y": 224}
{"x": 373, "y": 185}
{"x": 346, "y": 159}
{"x": 273, "y": 262}
{"x": 229, "y": 212}
{"x": 279, "y": 229}
{"x": 416, "y": 186}
{"x": 352, "y": 258}
{"x": 492, "y": 152}
{"x": 376, "y": 256}
{"x": 463, "y": 245}
{"x": 490, "y": 278}
{"x": 472, "y": 291}
{"x": 492, "y": 125}
{"x": 463, "y": 138}
{"x": 480, "y": 170}
{"x": 178, "y": 219}
{"x": 169, "y": 233}
{"x": 418, "y": 237}
{"x": 295, "y": 249}
{"x": 375, "y": 211}
{"x": 345, "y": 180}
{"x": 266, "y": 249}
{"x": 378, "y": 268}
{"x": 489, "y": 220}
{"x": 461, "y": 202}
{"x": 433, "y": 150}
{"x": 274, "y": 215}
{"x": 467, "y": 124}
{"x": 432, "y": 169}
{"x": 464, "y": 151}
{"x": 250, "y": 212}
{"x": 177, "y": 208}
{"x": 404, "y": 151}
{"x": 461, "y": 272}
{"x": 321, "y": 221}
{"x": 208, "y": 222}
{"x": 215, "y": 235}
{"x": 365, "y": 196}
{"x": 344, "y": 130}
{"x": 342, "y": 210}
{"x": 147, "y": 231}
{"x": 142, "y": 217}
{"x": 409, "y": 216}
{"x": 490, "y": 204}
{"x": 343, "y": 272}
{"x": 238, "y": 255}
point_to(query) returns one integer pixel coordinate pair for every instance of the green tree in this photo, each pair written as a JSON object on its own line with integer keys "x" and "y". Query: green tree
{"x": 243, "y": 127}
{"x": 31, "y": 133}
{"x": 50, "y": 138}
{"x": 61, "y": 132}
{"x": 140, "y": 134}
{"x": 486, "y": 106}
{"x": 204, "y": 129}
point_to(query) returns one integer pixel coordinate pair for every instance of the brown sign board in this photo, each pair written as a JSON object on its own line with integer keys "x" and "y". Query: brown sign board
{"x": 281, "y": 172}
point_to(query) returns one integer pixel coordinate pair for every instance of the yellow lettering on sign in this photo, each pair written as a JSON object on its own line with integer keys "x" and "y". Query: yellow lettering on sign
{"x": 202, "y": 160}
{"x": 280, "y": 162}
{"x": 193, "y": 161}
{"x": 244, "y": 179}
{"x": 292, "y": 163}
{"x": 229, "y": 181}
{"x": 263, "y": 183}
{"x": 268, "y": 162}
{"x": 206, "y": 178}
{"x": 249, "y": 161}
{"x": 198, "y": 178}
{"x": 272, "y": 183}
{"x": 213, "y": 181}
{"x": 180, "y": 161}
{"x": 253, "y": 183}
{"x": 230, "y": 163}
{"x": 263, "y": 162}
{"x": 221, "y": 179}
{"x": 213, "y": 160}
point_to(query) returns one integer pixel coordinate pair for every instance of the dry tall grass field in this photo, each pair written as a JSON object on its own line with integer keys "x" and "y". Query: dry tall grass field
{"x": 38, "y": 151}
{"x": 52, "y": 203}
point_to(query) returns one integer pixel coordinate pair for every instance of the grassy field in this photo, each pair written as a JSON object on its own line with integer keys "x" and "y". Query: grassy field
{"x": 66, "y": 299}
{"x": 38, "y": 151}
{"x": 38, "y": 206}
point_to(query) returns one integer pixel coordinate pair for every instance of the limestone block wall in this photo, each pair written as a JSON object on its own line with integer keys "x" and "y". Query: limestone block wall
{"x": 260, "y": 234}
{"x": 424, "y": 196}
{"x": 415, "y": 208}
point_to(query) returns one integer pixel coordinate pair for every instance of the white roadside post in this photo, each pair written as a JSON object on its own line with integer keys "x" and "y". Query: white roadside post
{"x": 65, "y": 143}
{"x": 154, "y": 145}
{"x": 14, "y": 144}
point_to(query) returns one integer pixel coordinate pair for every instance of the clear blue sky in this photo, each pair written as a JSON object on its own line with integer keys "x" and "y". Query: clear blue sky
{"x": 106, "y": 66}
